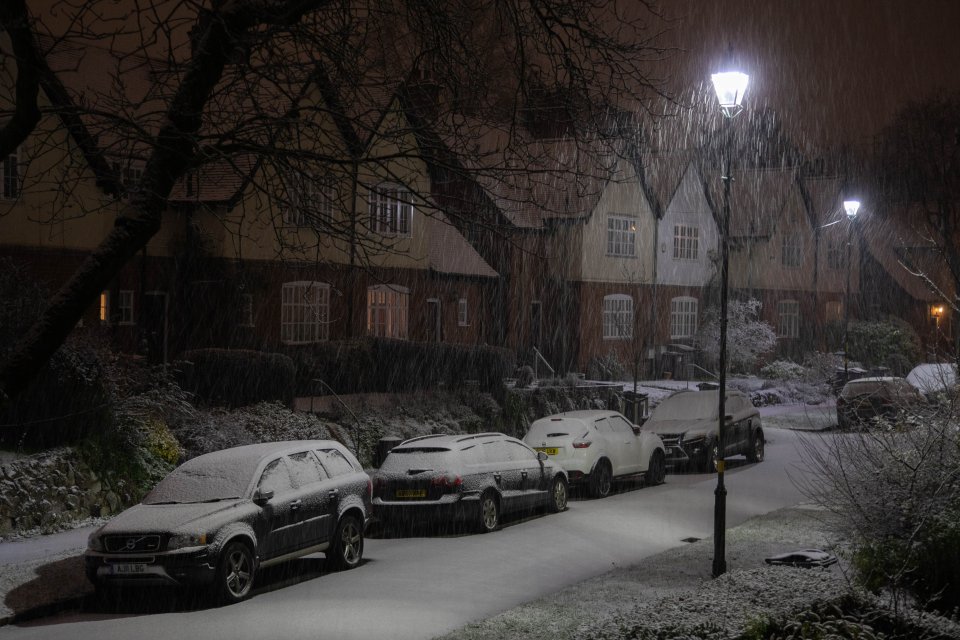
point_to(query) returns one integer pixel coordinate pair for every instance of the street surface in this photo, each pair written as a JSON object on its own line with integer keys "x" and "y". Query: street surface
{"x": 428, "y": 584}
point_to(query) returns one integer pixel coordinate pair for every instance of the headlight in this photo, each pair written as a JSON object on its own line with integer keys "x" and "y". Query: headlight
{"x": 182, "y": 540}
{"x": 93, "y": 541}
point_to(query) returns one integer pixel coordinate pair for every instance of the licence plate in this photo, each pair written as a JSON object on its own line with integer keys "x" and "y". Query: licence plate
{"x": 126, "y": 569}
{"x": 411, "y": 493}
{"x": 550, "y": 451}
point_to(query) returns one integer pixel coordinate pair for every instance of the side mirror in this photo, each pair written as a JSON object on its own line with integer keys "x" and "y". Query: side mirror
{"x": 261, "y": 497}
{"x": 542, "y": 457}
{"x": 728, "y": 418}
{"x": 636, "y": 430}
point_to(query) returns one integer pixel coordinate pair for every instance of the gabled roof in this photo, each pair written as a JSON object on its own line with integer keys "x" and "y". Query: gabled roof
{"x": 662, "y": 173}
{"x": 758, "y": 198}
{"x": 450, "y": 253}
{"x": 825, "y": 199}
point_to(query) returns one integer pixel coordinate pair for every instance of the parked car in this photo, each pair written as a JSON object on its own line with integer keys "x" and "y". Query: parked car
{"x": 933, "y": 377}
{"x": 597, "y": 447}
{"x": 867, "y": 398}
{"x": 219, "y": 518}
{"x": 476, "y": 478}
{"x": 688, "y": 424}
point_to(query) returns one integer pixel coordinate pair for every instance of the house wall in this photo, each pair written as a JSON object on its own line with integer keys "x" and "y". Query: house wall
{"x": 688, "y": 207}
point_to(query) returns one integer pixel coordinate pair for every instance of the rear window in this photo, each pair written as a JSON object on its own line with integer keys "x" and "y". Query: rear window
{"x": 869, "y": 387}
{"x": 554, "y": 429}
{"x": 421, "y": 459}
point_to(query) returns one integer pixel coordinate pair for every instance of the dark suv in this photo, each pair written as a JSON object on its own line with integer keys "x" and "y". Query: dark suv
{"x": 220, "y": 517}
{"x": 864, "y": 399}
{"x": 473, "y": 477}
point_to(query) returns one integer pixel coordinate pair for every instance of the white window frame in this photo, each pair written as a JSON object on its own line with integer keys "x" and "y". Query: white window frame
{"x": 12, "y": 180}
{"x": 125, "y": 301}
{"x": 390, "y": 207}
{"x": 684, "y": 314}
{"x": 463, "y": 318}
{"x": 246, "y": 310}
{"x": 388, "y": 311}
{"x": 304, "y": 312}
{"x": 788, "y": 324}
{"x": 310, "y": 200}
{"x": 686, "y": 242}
{"x": 130, "y": 175}
{"x": 617, "y": 317}
{"x": 621, "y": 236}
{"x": 791, "y": 251}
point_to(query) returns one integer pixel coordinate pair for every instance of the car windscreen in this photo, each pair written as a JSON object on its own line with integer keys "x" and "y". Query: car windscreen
{"x": 207, "y": 481}
{"x": 687, "y": 406}
{"x": 420, "y": 459}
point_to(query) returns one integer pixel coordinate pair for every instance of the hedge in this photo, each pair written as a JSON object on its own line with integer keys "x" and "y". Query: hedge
{"x": 384, "y": 365}
{"x": 237, "y": 377}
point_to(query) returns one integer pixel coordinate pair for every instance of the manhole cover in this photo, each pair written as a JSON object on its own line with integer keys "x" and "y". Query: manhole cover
{"x": 690, "y": 540}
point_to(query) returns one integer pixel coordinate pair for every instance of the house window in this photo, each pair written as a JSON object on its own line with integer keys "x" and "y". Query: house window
{"x": 104, "y": 307}
{"x": 621, "y": 236}
{"x": 683, "y": 317}
{"x": 617, "y": 317}
{"x": 387, "y": 311}
{"x": 246, "y": 310}
{"x": 11, "y": 176}
{"x": 304, "y": 312}
{"x": 790, "y": 253}
{"x": 462, "y": 318}
{"x": 391, "y": 210}
{"x": 130, "y": 176}
{"x": 125, "y": 307}
{"x": 836, "y": 258}
{"x": 686, "y": 242}
{"x": 310, "y": 200}
{"x": 833, "y": 311}
{"x": 789, "y": 311}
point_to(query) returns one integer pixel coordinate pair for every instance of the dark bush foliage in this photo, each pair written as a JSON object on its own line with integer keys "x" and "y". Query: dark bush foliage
{"x": 237, "y": 377}
{"x": 376, "y": 364}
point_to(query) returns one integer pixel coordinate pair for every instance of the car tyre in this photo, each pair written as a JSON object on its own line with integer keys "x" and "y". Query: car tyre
{"x": 710, "y": 457}
{"x": 346, "y": 551}
{"x": 755, "y": 453}
{"x": 235, "y": 573}
{"x": 601, "y": 480}
{"x": 657, "y": 469}
{"x": 489, "y": 515}
{"x": 558, "y": 495}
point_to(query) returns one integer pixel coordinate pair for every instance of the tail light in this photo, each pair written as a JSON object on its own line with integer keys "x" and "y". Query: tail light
{"x": 370, "y": 487}
{"x": 581, "y": 444}
{"x": 377, "y": 485}
{"x": 447, "y": 481}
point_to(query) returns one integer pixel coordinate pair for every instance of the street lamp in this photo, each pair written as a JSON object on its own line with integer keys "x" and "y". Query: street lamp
{"x": 730, "y": 87}
{"x": 850, "y": 207}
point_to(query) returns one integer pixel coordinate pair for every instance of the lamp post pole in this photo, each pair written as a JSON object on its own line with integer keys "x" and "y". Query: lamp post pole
{"x": 851, "y": 207}
{"x": 730, "y": 87}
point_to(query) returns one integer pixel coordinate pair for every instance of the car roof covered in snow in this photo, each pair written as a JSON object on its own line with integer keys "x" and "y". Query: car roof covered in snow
{"x": 450, "y": 441}
{"x": 584, "y": 415}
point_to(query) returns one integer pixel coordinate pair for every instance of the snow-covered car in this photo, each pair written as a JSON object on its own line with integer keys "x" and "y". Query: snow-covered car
{"x": 688, "y": 424}
{"x": 864, "y": 399}
{"x": 597, "y": 447}
{"x": 220, "y": 517}
{"x": 476, "y": 478}
{"x": 933, "y": 377}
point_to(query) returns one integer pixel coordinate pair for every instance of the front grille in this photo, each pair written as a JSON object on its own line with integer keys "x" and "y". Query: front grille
{"x": 132, "y": 544}
{"x": 670, "y": 439}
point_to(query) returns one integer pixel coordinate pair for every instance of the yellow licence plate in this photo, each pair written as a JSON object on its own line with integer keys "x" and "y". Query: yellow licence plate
{"x": 411, "y": 493}
{"x": 550, "y": 451}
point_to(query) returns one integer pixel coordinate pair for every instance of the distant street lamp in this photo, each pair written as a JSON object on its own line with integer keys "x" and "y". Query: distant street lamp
{"x": 851, "y": 207}
{"x": 937, "y": 312}
{"x": 730, "y": 87}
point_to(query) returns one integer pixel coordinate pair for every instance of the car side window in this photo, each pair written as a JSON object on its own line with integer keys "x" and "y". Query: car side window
{"x": 620, "y": 425}
{"x": 472, "y": 455}
{"x": 603, "y": 426}
{"x": 305, "y": 469}
{"x": 519, "y": 452}
{"x": 276, "y": 478}
{"x": 334, "y": 462}
{"x": 496, "y": 451}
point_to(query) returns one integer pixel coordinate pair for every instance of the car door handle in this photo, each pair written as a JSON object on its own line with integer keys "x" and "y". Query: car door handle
{"x": 333, "y": 493}
{"x": 523, "y": 474}
{"x": 496, "y": 478}
{"x": 296, "y": 504}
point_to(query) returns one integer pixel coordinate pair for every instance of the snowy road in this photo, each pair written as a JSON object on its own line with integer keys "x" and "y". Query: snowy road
{"x": 420, "y": 587}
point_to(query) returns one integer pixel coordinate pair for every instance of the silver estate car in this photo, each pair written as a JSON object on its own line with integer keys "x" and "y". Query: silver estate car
{"x": 220, "y": 517}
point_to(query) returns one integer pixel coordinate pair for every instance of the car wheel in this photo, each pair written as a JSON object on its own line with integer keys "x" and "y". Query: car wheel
{"x": 558, "y": 495}
{"x": 346, "y": 550}
{"x": 489, "y": 517}
{"x": 711, "y": 455}
{"x": 657, "y": 469}
{"x": 601, "y": 480}
{"x": 755, "y": 453}
{"x": 235, "y": 573}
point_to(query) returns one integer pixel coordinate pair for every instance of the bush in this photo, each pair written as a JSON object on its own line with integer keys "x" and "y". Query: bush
{"x": 892, "y": 344}
{"x": 783, "y": 370}
{"x": 237, "y": 377}
{"x": 606, "y": 367}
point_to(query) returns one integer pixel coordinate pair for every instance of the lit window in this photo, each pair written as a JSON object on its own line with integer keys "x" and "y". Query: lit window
{"x": 834, "y": 311}
{"x": 391, "y": 210}
{"x": 310, "y": 200}
{"x": 791, "y": 250}
{"x": 789, "y": 311}
{"x": 11, "y": 176}
{"x": 686, "y": 242}
{"x": 246, "y": 310}
{"x": 683, "y": 317}
{"x": 387, "y": 311}
{"x": 621, "y": 236}
{"x": 125, "y": 307}
{"x": 462, "y": 318}
{"x": 104, "y": 307}
{"x": 617, "y": 317}
{"x": 304, "y": 312}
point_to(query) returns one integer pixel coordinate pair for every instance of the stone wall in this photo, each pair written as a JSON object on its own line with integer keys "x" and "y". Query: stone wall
{"x": 51, "y": 489}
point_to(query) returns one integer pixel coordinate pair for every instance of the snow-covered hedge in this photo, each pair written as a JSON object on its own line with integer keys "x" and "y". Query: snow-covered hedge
{"x": 783, "y": 370}
{"x": 237, "y": 377}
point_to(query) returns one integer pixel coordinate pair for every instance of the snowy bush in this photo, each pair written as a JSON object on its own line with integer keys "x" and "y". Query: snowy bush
{"x": 783, "y": 370}
{"x": 606, "y": 367}
{"x": 892, "y": 344}
{"x": 822, "y": 367}
{"x": 748, "y": 338}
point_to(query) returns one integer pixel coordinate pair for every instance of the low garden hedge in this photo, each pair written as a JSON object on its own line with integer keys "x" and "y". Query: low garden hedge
{"x": 237, "y": 377}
